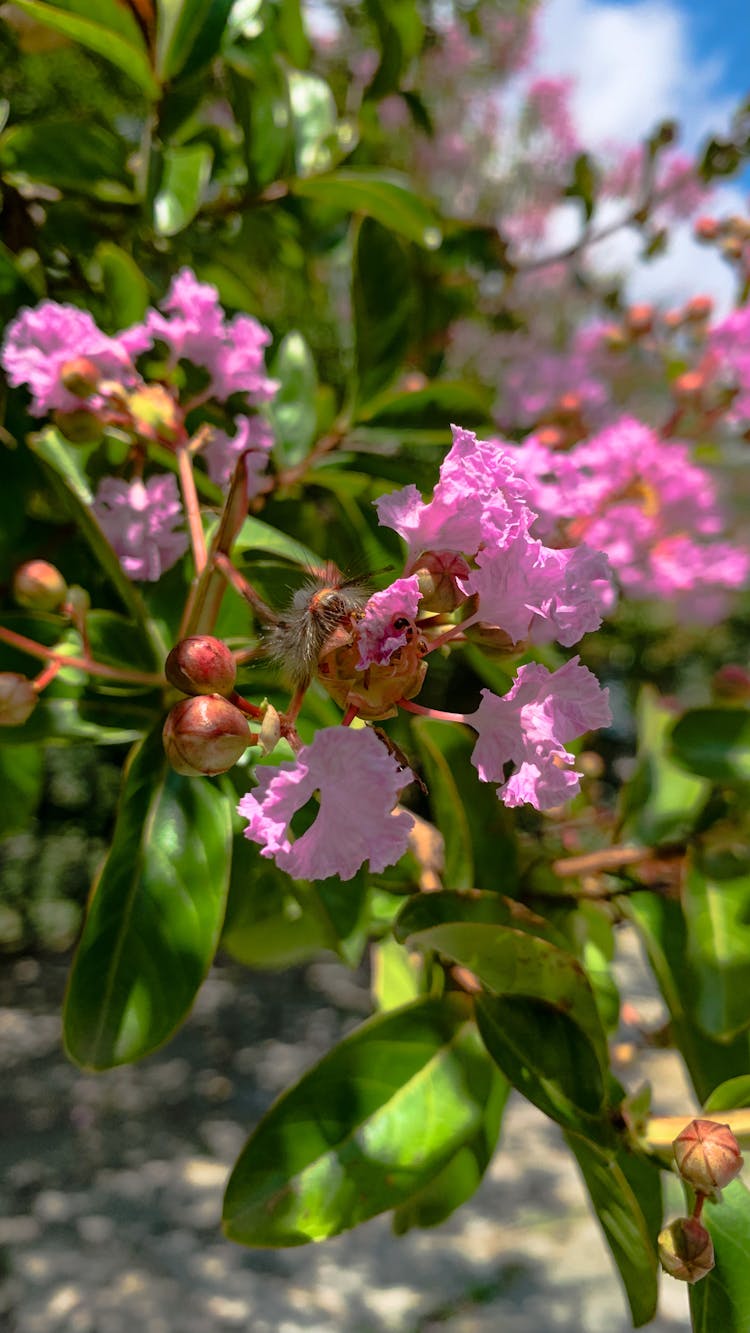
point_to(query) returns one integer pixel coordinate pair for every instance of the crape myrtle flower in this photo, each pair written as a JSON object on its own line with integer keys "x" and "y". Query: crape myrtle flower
{"x": 386, "y": 622}
{"x": 728, "y": 360}
{"x": 254, "y": 438}
{"x": 194, "y": 329}
{"x": 139, "y": 521}
{"x": 41, "y": 341}
{"x": 530, "y": 727}
{"x": 358, "y": 782}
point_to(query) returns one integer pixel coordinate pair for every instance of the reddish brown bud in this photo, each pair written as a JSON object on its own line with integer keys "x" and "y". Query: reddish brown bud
{"x": 699, "y": 308}
{"x": 17, "y": 699}
{"x": 155, "y": 414}
{"x": 201, "y": 665}
{"x": 552, "y": 437}
{"x": 640, "y": 318}
{"x": 79, "y": 427}
{"x": 732, "y": 682}
{"x": 672, "y": 319}
{"x": 686, "y": 1250}
{"x": 707, "y": 1155}
{"x": 80, "y": 376}
{"x": 706, "y": 229}
{"x": 205, "y": 735}
{"x": 39, "y": 586}
{"x": 688, "y": 388}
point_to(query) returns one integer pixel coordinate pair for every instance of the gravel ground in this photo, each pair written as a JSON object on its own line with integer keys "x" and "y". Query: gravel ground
{"x": 111, "y": 1185}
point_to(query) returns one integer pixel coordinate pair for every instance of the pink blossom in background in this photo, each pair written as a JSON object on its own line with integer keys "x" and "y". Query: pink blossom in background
{"x": 377, "y": 637}
{"x": 40, "y": 341}
{"x": 139, "y": 521}
{"x": 359, "y": 783}
{"x": 478, "y": 499}
{"x": 530, "y": 727}
{"x": 728, "y": 361}
{"x": 254, "y": 437}
{"x": 237, "y": 364}
{"x": 548, "y": 108}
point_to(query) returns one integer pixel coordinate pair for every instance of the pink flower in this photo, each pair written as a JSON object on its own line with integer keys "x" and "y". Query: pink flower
{"x": 530, "y": 726}
{"x": 729, "y": 360}
{"x": 380, "y": 631}
{"x": 194, "y": 329}
{"x": 554, "y": 594}
{"x": 479, "y": 499}
{"x": 359, "y": 783}
{"x": 253, "y": 437}
{"x": 40, "y": 342}
{"x": 138, "y": 519}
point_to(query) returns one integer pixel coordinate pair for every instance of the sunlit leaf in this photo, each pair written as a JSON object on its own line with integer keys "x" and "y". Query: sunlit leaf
{"x": 720, "y": 1302}
{"x": 185, "y": 175}
{"x": 716, "y": 902}
{"x": 385, "y": 196}
{"x": 714, "y": 742}
{"x": 103, "y": 26}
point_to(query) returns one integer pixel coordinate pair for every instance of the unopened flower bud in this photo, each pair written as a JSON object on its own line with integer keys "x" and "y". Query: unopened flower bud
{"x": 39, "y": 586}
{"x": 706, "y": 229}
{"x": 201, "y": 664}
{"x": 552, "y": 437}
{"x": 79, "y": 427}
{"x": 80, "y": 376}
{"x": 78, "y": 601}
{"x": 688, "y": 388}
{"x": 155, "y": 414}
{"x": 270, "y": 729}
{"x": 18, "y": 699}
{"x": 686, "y": 1250}
{"x": 640, "y": 319}
{"x": 707, "y": 1155}
{"x": 205, "y": 735}
{"x": 731, "y": 682}
{"x": 437, "y": 574}
{"x": 699, "y": 308}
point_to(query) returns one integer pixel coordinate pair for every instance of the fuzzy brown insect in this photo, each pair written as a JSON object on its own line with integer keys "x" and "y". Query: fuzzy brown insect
{"x": 325, "y": 601}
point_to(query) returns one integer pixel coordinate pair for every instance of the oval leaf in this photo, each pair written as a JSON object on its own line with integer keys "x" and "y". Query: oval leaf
{"x": 154, "y": 917}
{"x": 107, "y": 28}
{"x": 717, "y": 912}
{"x": 714, "y": 742}
{"x": 185, "y": 174}
{"x": 729, "y": 1096}
{"x": 720, "y": 1302}
{"x": 385, "y": 196}
{"x": 364, "y": 1130}
{"x": 293, "y": 411}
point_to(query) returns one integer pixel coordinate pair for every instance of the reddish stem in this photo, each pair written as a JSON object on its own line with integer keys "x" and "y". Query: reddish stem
{"x": 192, "y": 507}
{"x": 435, "y": 713}
{"x": 93, "y": 668}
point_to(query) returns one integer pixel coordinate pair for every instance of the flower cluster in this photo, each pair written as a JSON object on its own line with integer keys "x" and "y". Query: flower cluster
{"x": 469, "y": 549}
{"x": 90, "y": 381}
{"x": 641, "y": 499}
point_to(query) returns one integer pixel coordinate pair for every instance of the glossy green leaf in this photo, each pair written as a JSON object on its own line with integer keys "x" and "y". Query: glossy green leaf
{"x": 116, "y": 641}
{"x": 69, "y": 154}
{"x": 509, "y": 961}
{"x": 185, "y": 174}
{"x": 714, "y": 742}
{"x": 365, "y": 1129}
{"x": 400, "y": 30}
{"x": 266, "y": 925}
{"x": 291, "y": 30}
{"x": 293, "y": 411}
{"x": 462, "y": 1175}
{"x": 398, "y": 975}
{"x": 720, "y": 1302}
{"x": 104, "y": 26}
{"x": 384, "y": 299}
{"x": 385, "y": 196}
{"x": 255, "y": 535}
{"x": 314, "y": 120}
{"x": 716, "y": 902}
{"x": 189, "y": 34}
{"x": 435, "y": 404}
{"x": 71, "y": 485}
{"x": 661, "y": 925}
{"x": 154, "y": 917}
{"x": 549, "y": 1059}
{"x": 425, "y": 911}
{"x": 260, "y": 101}
{"x": 661, "y": 801}
{"x": 730, "y": 1095}
{"x": 21, "y": 777}
{"x": 103, "y": 721}
{"x": 618, "y": 1200}
{"x": 125, "y": 287}
{"x": 448, "y": 813}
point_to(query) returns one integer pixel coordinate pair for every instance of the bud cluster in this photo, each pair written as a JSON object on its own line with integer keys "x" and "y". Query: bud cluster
{"x": 708, "y": 1158}
{"x": 205, "y": 734}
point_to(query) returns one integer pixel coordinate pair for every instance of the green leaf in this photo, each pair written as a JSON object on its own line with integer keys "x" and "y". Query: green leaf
{"x": 617, "y": 1199}
{"x": 185, "y": 174}
{"x": 661, "y": 925}
{"x": 548, "y": 1058}
{"x": 398, "y": 976}
{"x": 154, "y": 917}
{"x": 104, "y": 721}
{"x": 434, "y": 743}
{"x": 385, "y": 196}
{"x": 291, "y": 30}
{"x": 68, "y": 479}
{"x": 509, "y": 961}
{"x": 116, "y": 641}
{"x": 364, "y": 1130}
{"x": 462, "y": 1175}
{"x": 720, "y": 1302}
{"x": 716, "y": 902}
{"x": 661, "y": 801}
{"x": 125, "y": 287}
{"x": 255, "y": 535}
{"x": 266, "y": 926}
{"x": 730, "y": 1095}
{"x": 314, "y": 121}
{"x": 260, "y": 101}
{"x": 714, "y": 742}
{"x": 293, "y": 411}
{"x": 70, "y": 154}
{"x": 103, "y": 26}
{"x": 384, "y": 306}
{"x": 21, "y": 777}
{"x": 437, "y": 403}
{"x": 189, "y": 34}
{"x": 424, "y": 911}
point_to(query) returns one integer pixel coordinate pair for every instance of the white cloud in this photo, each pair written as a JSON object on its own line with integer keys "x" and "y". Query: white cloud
{"x": 632, "y": 67}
